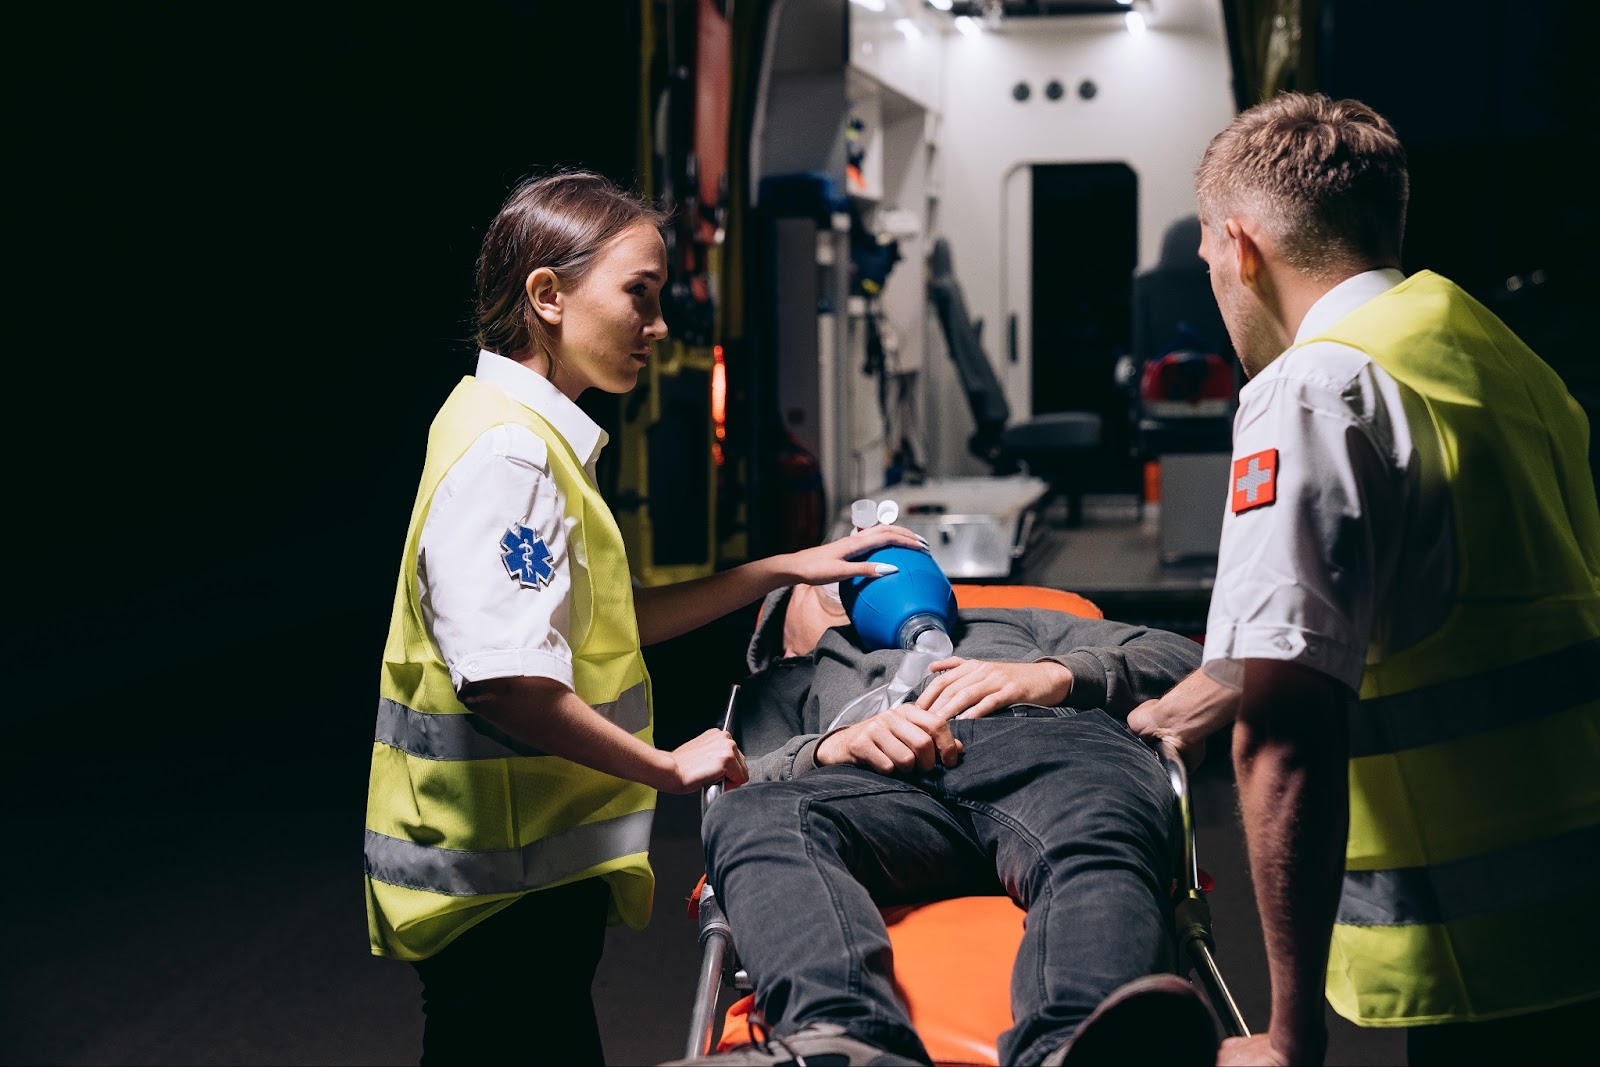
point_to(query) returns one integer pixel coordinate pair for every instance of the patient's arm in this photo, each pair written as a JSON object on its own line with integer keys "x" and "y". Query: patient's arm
{"x": 1114, "y": 665}
{"x": 1037, "y": 656}
{"x": 973, "y": 688}
{"x": 775, "y": 722}
{"x": 793, "y": 758}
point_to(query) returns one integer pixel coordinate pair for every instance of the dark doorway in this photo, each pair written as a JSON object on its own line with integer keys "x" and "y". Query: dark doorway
{"x": 1085, "y": 247}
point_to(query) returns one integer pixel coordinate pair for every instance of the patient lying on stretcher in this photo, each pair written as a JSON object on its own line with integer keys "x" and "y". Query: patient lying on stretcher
{"x": 1009, "y": 770}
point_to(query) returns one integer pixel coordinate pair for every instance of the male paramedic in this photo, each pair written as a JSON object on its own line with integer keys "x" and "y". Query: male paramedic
{"x": 1008, "y": 770}
{"x": 1405, "y": 626}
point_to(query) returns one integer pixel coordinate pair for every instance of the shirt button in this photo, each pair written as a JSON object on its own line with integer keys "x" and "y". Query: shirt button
{"x": 472, "y": 665}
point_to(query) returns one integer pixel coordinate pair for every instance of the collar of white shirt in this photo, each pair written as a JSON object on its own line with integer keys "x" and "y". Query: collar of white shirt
{"x": 1344, "y": 298}
{"x": 528, "y": 387}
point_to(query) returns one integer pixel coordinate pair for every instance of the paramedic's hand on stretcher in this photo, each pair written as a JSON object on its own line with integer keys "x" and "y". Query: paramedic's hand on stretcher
{"x": 973, "y": 688}
{"x": 1257, "y": 1050}
{"x": 1192, "y": 710}
{"x": 902, "y": 738}
{"x": 711, "y": 757}
{"x": 841, "y": 558}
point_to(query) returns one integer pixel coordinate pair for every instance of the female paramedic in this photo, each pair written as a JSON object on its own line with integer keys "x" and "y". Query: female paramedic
{"x": 513, "y": 774}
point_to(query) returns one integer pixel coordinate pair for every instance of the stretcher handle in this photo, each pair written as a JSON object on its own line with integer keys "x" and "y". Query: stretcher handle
{"x": 714, "y": 790}
{"x": 1178, "y": 777}
{"x": 1193, "y": 914}
{"x": 716, "y": 941}
{"x": 716, "y": 936}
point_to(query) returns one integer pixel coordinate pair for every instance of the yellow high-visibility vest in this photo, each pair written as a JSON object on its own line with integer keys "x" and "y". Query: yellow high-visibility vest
{"x": 463, "y": 820}
{"x": 1474, "y": 839}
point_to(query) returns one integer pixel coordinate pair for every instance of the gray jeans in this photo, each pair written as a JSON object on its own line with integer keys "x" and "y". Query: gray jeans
{"x": 1069, "y": 816}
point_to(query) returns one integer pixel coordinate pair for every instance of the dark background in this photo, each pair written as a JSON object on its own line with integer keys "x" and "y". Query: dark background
{"x": 246, "y": 247}
{"x": 241, "y": 245}
{"x": 1497, "y": 104}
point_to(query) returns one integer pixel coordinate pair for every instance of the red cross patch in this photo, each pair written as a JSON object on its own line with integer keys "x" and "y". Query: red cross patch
{"x": 1255, "y": 480}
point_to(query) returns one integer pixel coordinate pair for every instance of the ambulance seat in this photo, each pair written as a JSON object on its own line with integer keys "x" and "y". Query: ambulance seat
{"x": 1181, "y": 378}
{"x": 1055, "y": 446}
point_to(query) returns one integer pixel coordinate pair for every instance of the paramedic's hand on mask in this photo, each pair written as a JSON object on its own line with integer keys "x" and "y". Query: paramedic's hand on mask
{"x": 840, "y": 559}
{"x": 711, "y": 757}
{"x": 1192, "y": 710}
{"x": 901, "y": 738}
{"x": 973, "y": 688}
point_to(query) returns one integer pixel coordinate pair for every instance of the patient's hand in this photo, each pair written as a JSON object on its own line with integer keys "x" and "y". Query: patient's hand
{"x": 900, "y": 738}
{"x": 973, "y": 688}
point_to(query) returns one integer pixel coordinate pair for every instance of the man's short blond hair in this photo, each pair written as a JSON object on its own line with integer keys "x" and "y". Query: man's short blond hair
{"x": 1325, "y": 178}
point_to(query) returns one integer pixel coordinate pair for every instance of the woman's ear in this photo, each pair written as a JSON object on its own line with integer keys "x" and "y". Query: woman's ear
{"x": 544, "y": 293}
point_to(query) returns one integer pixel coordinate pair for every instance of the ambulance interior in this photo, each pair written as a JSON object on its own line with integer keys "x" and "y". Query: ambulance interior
{"x": 971, "y": 284}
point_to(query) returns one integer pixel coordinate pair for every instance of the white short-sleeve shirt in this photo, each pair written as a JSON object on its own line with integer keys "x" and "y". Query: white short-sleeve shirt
{"x": 1336, "y": 538}
{"x": 490, "y": 621}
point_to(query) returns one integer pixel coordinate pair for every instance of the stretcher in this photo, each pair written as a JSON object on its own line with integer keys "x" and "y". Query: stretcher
{"x": 953, "y": 957}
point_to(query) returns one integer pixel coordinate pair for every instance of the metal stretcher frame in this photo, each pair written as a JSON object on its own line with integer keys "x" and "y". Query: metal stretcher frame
{"x": 1191, "y": 912}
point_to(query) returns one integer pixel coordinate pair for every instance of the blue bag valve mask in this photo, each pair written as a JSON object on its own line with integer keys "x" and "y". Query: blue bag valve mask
{"x": 911, "y": 609}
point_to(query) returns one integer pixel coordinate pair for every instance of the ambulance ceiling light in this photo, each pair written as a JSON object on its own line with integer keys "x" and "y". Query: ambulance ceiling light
{"x": 993, "y": 11}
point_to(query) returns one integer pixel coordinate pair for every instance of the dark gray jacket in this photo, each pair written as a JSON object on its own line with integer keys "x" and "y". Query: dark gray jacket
{"x": 783, "y": 708}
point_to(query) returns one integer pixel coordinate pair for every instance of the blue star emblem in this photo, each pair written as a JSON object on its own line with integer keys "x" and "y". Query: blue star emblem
{"x": 527, "y": 557}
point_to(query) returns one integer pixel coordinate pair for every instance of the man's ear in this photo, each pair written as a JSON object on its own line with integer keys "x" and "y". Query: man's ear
{"x": 544, "y": 293}
{"x": 1248, "y": 260}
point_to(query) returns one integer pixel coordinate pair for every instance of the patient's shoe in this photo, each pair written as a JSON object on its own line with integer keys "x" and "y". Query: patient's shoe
{"x": 817, "y": 1045}
{"x": 1156, "y": 1020}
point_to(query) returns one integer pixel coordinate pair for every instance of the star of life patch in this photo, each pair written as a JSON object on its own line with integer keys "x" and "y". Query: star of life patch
{"x": 527, "y": 558}
{"x": 1255, "y": 480}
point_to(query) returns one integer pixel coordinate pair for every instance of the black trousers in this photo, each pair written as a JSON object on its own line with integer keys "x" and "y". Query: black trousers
{"x": 1556, "y": 1036}
{"x": 516, "y": 988}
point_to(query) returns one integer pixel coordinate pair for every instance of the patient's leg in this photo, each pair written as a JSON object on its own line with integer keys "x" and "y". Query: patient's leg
{"x": 1077, "y": 813}
{"x": 800, "y": 867}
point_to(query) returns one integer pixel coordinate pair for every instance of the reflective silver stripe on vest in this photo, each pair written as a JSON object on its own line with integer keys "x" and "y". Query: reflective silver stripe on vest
{"x": 472, "y": 737}
{"x": 1519, "y": 876}
{"x": 1493, "y": 700}
{"x": 459, "y": 873}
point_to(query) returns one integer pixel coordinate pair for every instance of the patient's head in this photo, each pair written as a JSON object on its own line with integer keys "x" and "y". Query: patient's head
{"x": 790, "y": 623}
{"x": 809, "y": 614}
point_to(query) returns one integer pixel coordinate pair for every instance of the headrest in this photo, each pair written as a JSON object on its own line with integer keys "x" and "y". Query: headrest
{"x": 1180, "y": 245}
{"x": 766, "y": 643}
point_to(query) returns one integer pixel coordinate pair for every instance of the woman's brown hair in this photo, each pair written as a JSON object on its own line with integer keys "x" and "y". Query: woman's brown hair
{"x": 561, "y": 221}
